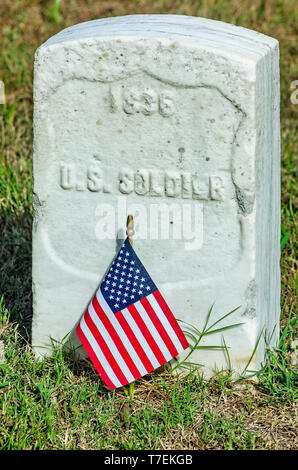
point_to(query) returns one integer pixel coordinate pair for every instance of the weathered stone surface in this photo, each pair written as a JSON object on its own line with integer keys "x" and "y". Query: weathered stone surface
{"x": 2, "y": 352}
{"x": 150, "y": 113}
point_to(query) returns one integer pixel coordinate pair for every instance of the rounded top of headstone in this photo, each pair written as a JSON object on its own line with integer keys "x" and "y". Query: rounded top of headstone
{"x": 174, "y": 27}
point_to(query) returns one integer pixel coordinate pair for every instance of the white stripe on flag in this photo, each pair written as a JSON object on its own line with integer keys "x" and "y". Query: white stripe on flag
{"x": 101, "y": 357}
{"x": 139, "y": 335}
{"x": 123, "y": 336}
{"x": 110, "y": 343}
{"x": 150, "y": 325}
{"x": 163, "y": 319}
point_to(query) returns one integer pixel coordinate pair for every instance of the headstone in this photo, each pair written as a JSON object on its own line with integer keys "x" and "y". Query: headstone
{"x": 175, "y": 120}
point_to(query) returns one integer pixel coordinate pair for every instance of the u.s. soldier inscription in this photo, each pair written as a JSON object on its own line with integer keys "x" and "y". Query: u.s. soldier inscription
{"x": 177, "y": 118}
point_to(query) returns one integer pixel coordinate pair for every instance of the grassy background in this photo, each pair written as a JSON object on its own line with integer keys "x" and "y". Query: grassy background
{"x": 58, "y": 404}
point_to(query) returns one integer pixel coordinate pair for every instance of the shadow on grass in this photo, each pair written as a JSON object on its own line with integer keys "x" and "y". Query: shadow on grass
{"x": 16, "y": 269}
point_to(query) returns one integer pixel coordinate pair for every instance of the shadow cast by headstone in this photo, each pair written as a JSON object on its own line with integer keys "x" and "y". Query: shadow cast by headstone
{"x": 16, "y": 268}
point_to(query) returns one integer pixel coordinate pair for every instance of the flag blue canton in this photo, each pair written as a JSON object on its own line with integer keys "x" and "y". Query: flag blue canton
{"x": 127, "y": 281}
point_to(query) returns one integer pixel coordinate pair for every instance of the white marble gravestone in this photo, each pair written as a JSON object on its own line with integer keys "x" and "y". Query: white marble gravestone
{"x": 176, "y": 120}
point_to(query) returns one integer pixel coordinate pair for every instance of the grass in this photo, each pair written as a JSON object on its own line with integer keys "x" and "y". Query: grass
{"x": 195, "y": 337}
{"x": 60, "y": 404}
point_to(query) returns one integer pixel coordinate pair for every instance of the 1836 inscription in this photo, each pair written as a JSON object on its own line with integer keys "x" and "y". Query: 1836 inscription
{"x": 146, "y": 101}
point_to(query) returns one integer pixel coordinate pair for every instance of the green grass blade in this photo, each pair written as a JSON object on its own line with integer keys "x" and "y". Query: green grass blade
{"x": 223, "y": 317}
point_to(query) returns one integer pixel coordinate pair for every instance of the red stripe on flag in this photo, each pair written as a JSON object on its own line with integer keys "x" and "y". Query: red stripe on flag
{"x": 94, "y": 358}
{"x": 159, "y": 326}
{"x": 147, "y": 335}
{"x": 115, "y": 337}
{"x": 133, "y": 339}
{"x": 105, "y": 349}
{"x": 166, "y": 310}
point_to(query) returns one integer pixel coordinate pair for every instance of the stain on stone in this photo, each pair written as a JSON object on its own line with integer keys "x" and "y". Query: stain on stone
{"x": 181, "y": 151}
{"x": 245, "y": 200}
{"x": 38, "y": 209}
{"x": 250, "y": 297}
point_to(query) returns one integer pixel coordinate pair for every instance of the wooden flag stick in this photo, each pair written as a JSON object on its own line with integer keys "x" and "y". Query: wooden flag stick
{"x": 130, "y": 228}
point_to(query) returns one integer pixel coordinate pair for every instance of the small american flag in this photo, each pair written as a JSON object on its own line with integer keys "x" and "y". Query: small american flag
{"x": 128, "y": 330}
